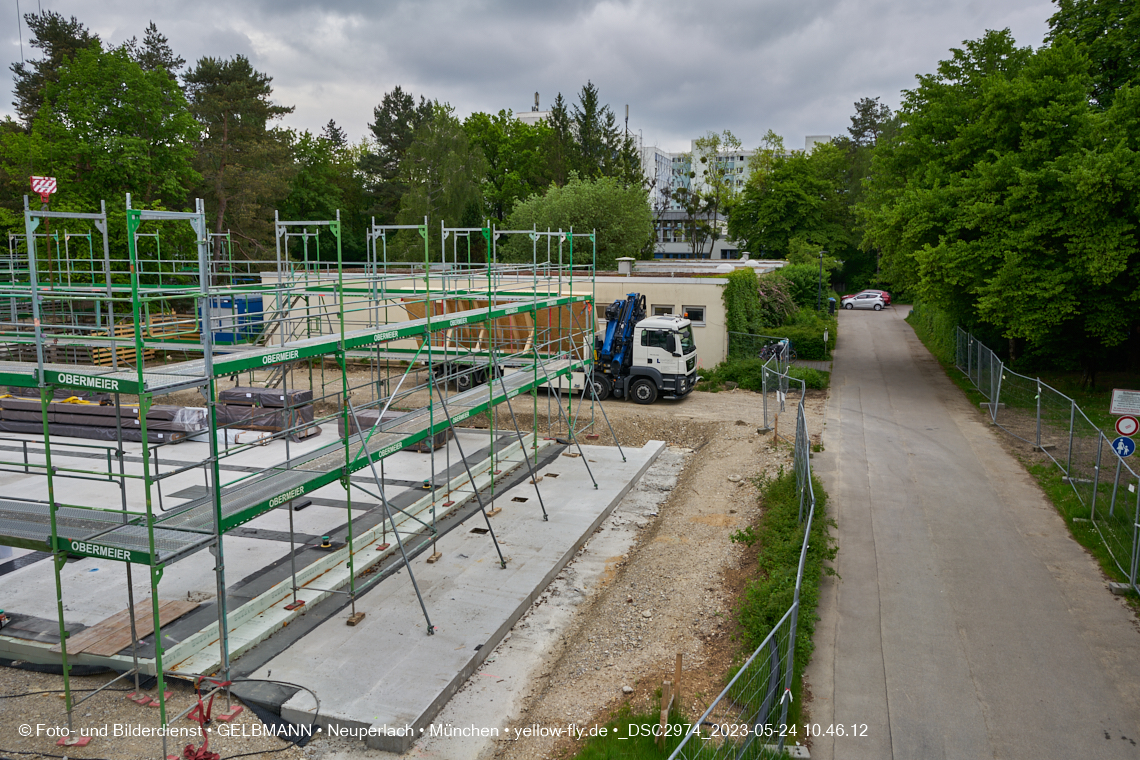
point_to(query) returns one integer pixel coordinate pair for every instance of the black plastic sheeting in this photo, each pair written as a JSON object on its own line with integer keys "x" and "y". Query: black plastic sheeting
{"x": 91, "y": 432}
{"x": 273, "y": 398}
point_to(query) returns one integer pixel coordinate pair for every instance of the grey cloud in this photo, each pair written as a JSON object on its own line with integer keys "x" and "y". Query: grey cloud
{"x": 684, "y": 67}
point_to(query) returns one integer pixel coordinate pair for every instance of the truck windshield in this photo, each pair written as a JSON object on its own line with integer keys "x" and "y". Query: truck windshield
{"x": 685, "y": 335}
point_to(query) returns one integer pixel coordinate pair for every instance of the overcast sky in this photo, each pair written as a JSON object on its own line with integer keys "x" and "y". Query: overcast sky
{"x": 794, "y": 66}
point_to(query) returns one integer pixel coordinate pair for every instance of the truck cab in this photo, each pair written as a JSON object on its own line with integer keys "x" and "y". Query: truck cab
{"x": 664, "y": 360}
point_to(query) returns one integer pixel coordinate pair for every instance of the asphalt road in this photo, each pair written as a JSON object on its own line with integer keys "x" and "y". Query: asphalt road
{"x": 966, "y": 622}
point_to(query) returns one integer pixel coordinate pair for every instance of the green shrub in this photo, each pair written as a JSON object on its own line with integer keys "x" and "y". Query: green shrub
{"x": 777, "y": 539}
{"x": 749, "y": 375}
{"x": 805, "y": 329}
{"x": 936, "y": 329}
{"x": 814, "y": 379}
{"x": 805, "y": 283}
{"x": 741, "y": 296}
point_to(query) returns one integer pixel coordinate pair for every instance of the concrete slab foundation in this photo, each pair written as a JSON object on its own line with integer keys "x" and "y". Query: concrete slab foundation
{"x": 385, "y": 679}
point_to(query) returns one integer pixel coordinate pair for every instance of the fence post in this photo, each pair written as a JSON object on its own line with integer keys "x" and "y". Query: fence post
{"x": 1096, "y": 477}
{"x": 1039, "y": 413}
{"x": 1115, "y": 486}
{"x": 997, "y": 392}
{"x": 764, "y": 391}
{"x": 970, "y": 357}
{"x": 791, "y": 665}
{"x": 1072, "y": 419}
{"x": 1135, "y": 541}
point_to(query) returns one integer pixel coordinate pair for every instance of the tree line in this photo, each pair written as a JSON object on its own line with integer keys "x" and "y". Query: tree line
{"x": 134, "y": 118}
{"x": 1004, "y": 193}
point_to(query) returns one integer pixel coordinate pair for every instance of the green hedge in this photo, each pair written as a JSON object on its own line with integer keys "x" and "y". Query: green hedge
{"x": 748, "y": 374}
{"x": 777, "y": 539}
{"x": 936, "y": 329}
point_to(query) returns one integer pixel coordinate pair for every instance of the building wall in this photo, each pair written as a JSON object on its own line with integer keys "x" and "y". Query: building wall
{"x": 674, "y": 293}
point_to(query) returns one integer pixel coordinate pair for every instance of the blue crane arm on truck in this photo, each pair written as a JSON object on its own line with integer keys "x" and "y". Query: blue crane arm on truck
{"x": 643, "y": 358}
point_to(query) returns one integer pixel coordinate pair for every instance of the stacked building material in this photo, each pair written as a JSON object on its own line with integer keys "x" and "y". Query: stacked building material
{"x": 267, "y": 409}
{"x": 370, "y": 418}
{"x": 78, "y": 418}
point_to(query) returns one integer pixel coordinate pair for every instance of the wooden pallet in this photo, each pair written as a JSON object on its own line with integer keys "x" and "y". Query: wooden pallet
{"x": 101, "y": 357}
{"x": 110, "y": 636}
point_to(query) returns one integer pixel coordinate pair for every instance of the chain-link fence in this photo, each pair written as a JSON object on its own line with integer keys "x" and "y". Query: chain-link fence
{"x": 1050, "y": 421}
{"x": 748, "y": 719}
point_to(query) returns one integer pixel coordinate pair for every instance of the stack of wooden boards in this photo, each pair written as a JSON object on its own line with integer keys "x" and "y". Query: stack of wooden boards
{"x": 269, "y": 409}
{"x": 370, "y": 418}
{"x": 100, "y": 419}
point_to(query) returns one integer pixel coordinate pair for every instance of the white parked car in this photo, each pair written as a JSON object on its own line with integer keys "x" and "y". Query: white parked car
{"x": 865, "y": 300}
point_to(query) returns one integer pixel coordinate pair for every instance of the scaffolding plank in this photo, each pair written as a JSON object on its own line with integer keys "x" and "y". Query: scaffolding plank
{"x": 110, "y": 636}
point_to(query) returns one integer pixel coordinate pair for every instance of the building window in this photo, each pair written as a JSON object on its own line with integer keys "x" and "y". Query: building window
{"x": 695, "y": 314}
{"x": 662, "y": 311}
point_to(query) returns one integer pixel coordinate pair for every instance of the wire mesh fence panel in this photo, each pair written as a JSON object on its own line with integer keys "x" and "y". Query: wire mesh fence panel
{"x": 961, "y": 354}
{"x": 984, "y": 382}
{"x": 744, "y": 721}
{"x": 1056, "y": 424}
{"x": 1115, "y": 513}
{"x": 748, "y": 719}
{"x": 1085, "y": 449}
{"x": 1015, "y": 410}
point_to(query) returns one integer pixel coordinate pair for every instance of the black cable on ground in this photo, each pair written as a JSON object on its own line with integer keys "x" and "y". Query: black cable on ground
{"x": 299, "y": 741}
{"x": 53, "y": 691}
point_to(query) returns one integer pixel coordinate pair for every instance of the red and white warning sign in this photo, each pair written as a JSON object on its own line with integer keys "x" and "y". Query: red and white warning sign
{"x": 1127, "y": 425}
{"x": 45, "y": 186}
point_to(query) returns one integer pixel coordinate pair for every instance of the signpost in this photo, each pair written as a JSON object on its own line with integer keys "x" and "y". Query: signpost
{"x": 45, "y": 186}
{"x": 1124, "y": 446}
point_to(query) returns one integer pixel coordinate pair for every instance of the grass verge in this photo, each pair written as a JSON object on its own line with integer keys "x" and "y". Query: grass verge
{"x": 777, "y": 538}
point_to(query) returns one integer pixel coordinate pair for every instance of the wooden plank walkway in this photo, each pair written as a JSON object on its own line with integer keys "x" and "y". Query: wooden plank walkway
{"x": 112, "y": 635}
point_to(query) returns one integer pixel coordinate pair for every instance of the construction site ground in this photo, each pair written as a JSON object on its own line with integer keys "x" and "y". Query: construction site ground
{"x": 659, "y": 577}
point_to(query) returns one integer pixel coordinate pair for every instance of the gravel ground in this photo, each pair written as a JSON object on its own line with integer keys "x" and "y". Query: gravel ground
{"x": 109, "y": 711}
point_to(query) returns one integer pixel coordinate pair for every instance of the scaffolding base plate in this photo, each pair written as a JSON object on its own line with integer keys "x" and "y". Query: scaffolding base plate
{"x": 571, "y": 454}
{"x": 158, "y": 703}
{"x": 495, "y": 511}
{"x": 434, "y": 558}
{"x": 74, "y": 741}
{"x": 295, "y": 605}
{"x": 354, "y": 618}
{"x": 225, "y": 716}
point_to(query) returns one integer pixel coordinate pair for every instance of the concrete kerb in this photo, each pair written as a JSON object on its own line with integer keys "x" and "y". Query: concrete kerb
{"x": 383, "y": 734}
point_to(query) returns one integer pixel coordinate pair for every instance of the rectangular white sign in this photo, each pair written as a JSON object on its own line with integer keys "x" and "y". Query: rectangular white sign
{"x": 1125, "y": 402}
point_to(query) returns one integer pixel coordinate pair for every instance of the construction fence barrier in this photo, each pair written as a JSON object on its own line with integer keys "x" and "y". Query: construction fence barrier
{"x": 749, "y": 718}
{"x": 1055, "y": 425}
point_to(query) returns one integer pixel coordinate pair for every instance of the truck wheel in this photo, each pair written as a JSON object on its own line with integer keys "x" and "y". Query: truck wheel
{"x": 643, "y": 391}
{"x": 464, "y": 380}
{"x": 602, "y": 387}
